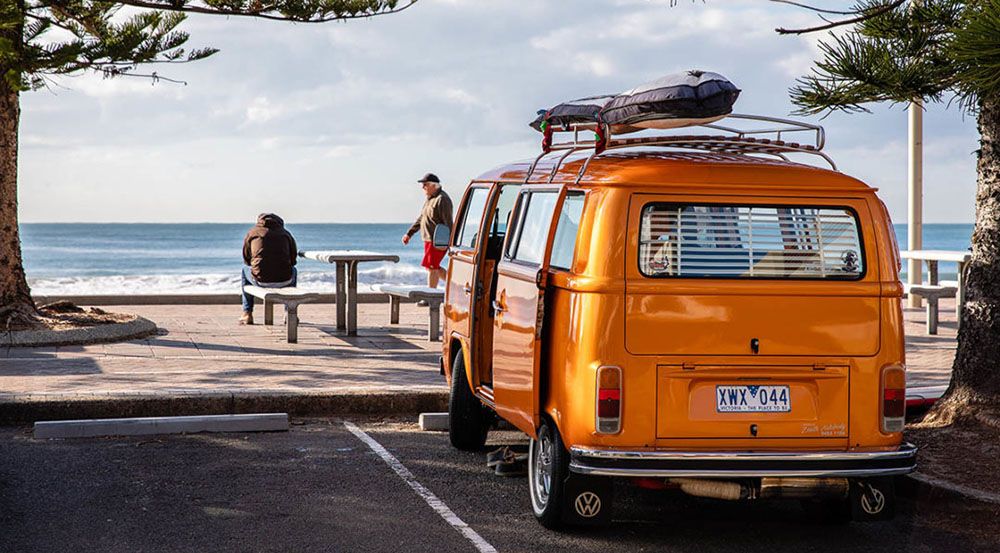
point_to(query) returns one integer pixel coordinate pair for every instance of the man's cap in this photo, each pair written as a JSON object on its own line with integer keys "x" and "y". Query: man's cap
{"x": 430, "y": 177}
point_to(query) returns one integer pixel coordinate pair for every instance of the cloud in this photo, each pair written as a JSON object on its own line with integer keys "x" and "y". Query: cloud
{"x": 262, "y": 110}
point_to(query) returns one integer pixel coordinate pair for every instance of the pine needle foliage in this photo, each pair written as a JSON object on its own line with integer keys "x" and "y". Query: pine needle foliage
{"x": 935, "y": 50}
{"x": 40, "y": 38}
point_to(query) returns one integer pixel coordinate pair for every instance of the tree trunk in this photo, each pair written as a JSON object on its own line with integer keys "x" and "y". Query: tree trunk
{"x": 975, "y": 383}
{"x": 16, "y": 306}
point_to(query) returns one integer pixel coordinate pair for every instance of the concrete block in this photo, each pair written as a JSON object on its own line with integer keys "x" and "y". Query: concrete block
{"x": 437, "y": 422}
{"x": 261, "y": 422}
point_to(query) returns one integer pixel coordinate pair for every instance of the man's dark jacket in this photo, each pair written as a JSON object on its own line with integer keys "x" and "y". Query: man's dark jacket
{"x": 270, "y": 250}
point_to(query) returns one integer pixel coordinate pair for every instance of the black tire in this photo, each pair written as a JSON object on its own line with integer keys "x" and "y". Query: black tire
{"x": 468, "y": 420}
{"x": 548, "y": 468}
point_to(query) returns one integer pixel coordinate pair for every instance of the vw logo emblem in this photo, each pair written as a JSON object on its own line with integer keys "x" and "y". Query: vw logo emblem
{"x": 873, "y": 501}
{"x": 587, "y": 504}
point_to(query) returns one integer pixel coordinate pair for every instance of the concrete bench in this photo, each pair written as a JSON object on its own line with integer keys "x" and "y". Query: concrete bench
{"x": 433, "y": 296}
{"x": 291, "y": 297}
{"x": 931, "y": 293}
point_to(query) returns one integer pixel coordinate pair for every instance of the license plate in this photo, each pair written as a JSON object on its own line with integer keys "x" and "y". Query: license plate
{"x": 752, "y": 399}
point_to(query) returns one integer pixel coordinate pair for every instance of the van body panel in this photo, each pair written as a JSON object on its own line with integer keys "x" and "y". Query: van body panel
{"x": 515, "y": 355}
{"x": 726, "y": 325}
{"x": 819, "y": 399}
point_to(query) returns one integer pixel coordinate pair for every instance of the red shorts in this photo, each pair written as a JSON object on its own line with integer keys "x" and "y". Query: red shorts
{"x": 432, "y": 256}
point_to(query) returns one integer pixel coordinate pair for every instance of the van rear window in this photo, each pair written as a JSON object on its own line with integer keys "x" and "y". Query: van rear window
{"x": 733, "y": 241}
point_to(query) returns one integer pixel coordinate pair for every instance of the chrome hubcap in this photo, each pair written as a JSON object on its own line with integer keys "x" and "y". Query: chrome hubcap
{"x": 542, "y": 468}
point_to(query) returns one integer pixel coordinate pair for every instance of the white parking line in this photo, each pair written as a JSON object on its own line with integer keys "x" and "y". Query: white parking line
{"x": 439, "y": 506}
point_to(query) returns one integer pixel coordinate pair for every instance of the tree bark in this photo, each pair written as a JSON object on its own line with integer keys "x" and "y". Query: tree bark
{"x": 975, "y": 383}
{"x": 16, "y": 306}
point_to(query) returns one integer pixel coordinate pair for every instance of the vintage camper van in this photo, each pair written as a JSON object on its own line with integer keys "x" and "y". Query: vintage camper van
{"x": 689, "y": 311}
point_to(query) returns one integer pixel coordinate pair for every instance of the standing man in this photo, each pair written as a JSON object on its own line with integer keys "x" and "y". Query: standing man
{"x": 437, "y": 210}
{"x": 269, "y": 256}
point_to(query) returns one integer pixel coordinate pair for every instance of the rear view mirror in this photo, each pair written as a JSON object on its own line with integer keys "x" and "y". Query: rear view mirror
{"x": 442, "y": 235}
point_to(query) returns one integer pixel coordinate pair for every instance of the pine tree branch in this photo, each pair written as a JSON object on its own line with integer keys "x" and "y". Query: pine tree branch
{"x": 863, "y": 16}
{"x": 50, "y": 21}
{"x": 261, "y": 12}
{"x": 813, "y": 8}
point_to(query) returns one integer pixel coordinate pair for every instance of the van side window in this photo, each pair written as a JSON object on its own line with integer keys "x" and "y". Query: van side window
{"x": 564, "y": 243}
{"x": 472, "y": 213}
{"x": 534, "y": 215}
{"x": 505, "y": 204}
{"x": 727, "y": 241}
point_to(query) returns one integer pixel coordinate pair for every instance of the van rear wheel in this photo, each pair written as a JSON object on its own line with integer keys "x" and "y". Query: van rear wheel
{"x": 559, "y": 496}
{"x": 548, "y": 466}
{"x": 468, "y": 421}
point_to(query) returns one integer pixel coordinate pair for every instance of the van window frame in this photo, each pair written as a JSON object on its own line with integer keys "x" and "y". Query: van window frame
{"x": 854, "y": 214}
{"x": 461, "y": 222}
{"x": 517, "y": 218}
{"x": 494, "y": 231}
{"x": 569, "y": 192}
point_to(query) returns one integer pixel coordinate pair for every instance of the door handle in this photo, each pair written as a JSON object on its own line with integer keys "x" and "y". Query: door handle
{"x": 500, "y": 304}
{"x": 467, "y": 289}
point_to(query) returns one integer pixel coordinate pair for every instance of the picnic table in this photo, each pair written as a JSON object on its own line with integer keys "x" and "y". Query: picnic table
{"x": 932, "y": 258}
{"x": 347, "y": 280}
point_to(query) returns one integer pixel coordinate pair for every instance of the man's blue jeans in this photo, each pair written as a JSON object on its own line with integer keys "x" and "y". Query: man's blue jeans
{"x": 248, "y": 279}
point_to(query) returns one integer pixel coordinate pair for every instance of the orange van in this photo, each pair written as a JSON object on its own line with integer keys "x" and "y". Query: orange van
{"x": 683, "y": 311}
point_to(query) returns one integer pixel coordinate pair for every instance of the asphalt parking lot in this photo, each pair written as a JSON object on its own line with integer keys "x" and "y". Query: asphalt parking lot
{"x": 322, "y": 487}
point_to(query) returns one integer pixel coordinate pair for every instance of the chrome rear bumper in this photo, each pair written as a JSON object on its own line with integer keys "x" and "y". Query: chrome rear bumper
{"x": 740, "y": 464}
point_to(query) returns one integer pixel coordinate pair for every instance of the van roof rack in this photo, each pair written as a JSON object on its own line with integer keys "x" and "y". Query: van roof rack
{"x": 738, "y": 139}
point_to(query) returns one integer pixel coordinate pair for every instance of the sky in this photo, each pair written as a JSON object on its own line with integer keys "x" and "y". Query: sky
{"x": 335, "y": 122}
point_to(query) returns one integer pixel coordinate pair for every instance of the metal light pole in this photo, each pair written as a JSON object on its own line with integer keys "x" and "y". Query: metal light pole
{"x": 915, "y": 203}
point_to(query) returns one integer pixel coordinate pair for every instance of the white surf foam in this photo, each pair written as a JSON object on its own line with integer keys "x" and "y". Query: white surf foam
{"x": 215, "y": 283}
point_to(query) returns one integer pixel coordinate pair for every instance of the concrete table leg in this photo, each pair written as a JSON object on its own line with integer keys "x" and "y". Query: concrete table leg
{"x": 293, "y": 322}
{"x": 932, "y": 315}
{"x": 352, "y": 298}
{"x": 393, "y": 310}
{"x": 341, "y": 297}
{"x": 434, "y": 324}
{"x": 268, "y": 312}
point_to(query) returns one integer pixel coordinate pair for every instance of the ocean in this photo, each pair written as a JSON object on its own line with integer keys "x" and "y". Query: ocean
{"x": 83, "y": 258}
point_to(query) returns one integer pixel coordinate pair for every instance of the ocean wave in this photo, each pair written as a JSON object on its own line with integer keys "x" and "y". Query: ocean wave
{"x": 213, "y": 283}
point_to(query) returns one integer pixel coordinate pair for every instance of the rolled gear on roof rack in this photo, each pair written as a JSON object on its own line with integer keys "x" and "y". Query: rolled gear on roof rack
{"x": 575, "y": 112}
{"x": 584, "y": 110}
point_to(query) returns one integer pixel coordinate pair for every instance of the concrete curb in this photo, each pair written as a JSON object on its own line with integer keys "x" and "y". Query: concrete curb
{"x": 115, "y": 332}
{"x": 150, "y": 426}
{"x": 47, "y": 408}
{"x": 917, "y": 483}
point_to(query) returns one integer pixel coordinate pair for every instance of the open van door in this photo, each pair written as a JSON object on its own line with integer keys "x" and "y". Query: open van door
{"x": 518, "y": 306}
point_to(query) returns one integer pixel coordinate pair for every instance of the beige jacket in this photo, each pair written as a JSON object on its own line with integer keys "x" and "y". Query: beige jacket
{"x": 437, "y": 210}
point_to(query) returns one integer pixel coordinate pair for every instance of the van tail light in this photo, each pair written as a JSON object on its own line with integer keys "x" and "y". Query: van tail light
{"x": 893, "y": 398}
{"x": 609, "y": 400}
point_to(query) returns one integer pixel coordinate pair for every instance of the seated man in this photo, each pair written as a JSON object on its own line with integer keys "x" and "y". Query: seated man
{"x": 269, "y": 256}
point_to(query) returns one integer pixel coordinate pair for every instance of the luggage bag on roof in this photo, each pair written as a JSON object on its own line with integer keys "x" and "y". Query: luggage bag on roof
{"x": 676, "y": 100}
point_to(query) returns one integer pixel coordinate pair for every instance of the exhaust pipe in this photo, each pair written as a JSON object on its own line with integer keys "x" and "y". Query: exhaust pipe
{"x": 713, "y": 489}
{"x": 802, "y": 488}
{"x": 769, "y": 488}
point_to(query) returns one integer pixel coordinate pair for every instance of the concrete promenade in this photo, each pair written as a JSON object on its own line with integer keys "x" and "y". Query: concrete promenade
{"x": 203, "y": 362}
